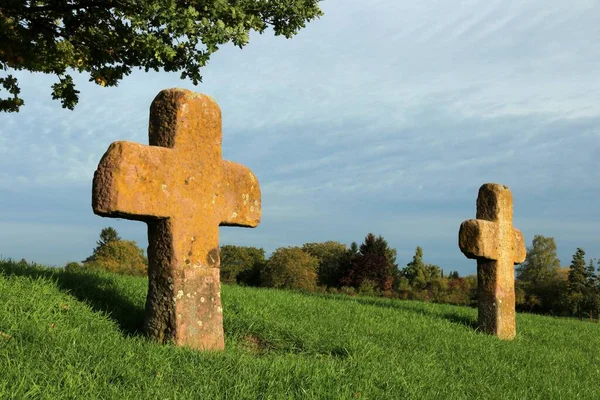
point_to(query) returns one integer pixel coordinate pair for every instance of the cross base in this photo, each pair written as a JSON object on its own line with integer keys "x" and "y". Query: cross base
{"x": 496, "y": 302}
{"x": 183, "y": 305}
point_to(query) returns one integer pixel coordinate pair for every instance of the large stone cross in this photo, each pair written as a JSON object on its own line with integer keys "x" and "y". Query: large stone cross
{"x": 497, "y": 246}
{"x": 182, "y": 188}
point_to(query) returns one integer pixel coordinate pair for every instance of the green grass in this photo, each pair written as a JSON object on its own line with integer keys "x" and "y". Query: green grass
{"x": 75, "y": 335}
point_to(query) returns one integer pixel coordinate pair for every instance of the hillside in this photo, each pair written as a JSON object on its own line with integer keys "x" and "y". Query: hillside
{"x": 74, "y": 335}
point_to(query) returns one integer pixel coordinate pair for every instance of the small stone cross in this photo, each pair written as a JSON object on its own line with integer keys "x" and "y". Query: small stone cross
{"x": 182, "y": 188}
{"x": 497, "y": 246}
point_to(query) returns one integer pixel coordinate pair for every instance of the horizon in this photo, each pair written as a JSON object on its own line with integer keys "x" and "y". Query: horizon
{"x": 389, "y": 127}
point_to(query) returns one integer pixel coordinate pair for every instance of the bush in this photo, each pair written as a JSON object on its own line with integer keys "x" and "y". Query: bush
{"x": 290, "y": 268}
{"x": 368, "y": 287}
{"x": 73, "y": 266}
{"x": 333, "y": 290}
{"x": 241, "y": 265}
{"x": 348, "y": 290}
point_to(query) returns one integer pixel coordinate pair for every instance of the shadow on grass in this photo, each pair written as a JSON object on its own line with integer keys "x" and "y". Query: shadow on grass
{"x": 456, "y": 317}
{"x": 462, "y": 320}
{"x": 405, "y": 305}
{"x": 99, "y": 292}
{"x": 257, "y": 345}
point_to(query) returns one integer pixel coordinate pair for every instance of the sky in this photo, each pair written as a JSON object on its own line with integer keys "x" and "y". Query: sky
{"x": 383, "y": 116}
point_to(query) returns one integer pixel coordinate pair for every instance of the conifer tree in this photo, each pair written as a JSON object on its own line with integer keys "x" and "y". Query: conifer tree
{"x": 378, "y": 245}
{"x": 592, "y": 294}
{"x": 598, "y": 275}
{"x": 577, "y": 282}
{"x": 420, "y": 274}
{"x": 375, "y": 261}
{"x": 591, "y": 274}
{"x": 108, "y": 234}
{"x": 415, "y": 270}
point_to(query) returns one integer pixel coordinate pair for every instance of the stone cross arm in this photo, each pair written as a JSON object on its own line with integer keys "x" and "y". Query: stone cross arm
{"x": 138, "y": 184}
{"x": 480, "y": 239}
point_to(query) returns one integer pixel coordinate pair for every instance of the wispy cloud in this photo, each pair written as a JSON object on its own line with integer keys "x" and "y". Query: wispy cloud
{"x": 389, "y": 126}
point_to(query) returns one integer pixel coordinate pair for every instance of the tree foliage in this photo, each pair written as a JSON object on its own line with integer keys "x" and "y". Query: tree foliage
{"x": 538, "y": 279}
{"x": 290, "y": 268}
{"x": 375, "y": 261}
{"x": 419, "y": 274}
{"x": 109, "y": 38}
{"x": 107, "y": 235}
{"x": 378, "y": 245}
{"x": 117, "y": 255}
{"x": 241, "y": 264}
{"x": 541, "y": 264}
{"x": 578, "y": 272}
{"x": 590, "y": 273}
{"x": 331, "y": 256}
{"x": 369, "y": 267}
{"x": 578, "y": 282}
{"x": 120, "y": 256}
{"x": 453, "y": 275}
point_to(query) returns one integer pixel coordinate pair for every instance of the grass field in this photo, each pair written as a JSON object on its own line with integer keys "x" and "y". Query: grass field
{"x": 75, "y": 335}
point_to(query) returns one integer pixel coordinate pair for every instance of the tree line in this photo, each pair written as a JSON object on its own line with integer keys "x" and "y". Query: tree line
{"x": 541, "y": 285}
{"x": 544, "y": 287}
{"x": 367, "y": 269}
{"x": 370, "y": 268}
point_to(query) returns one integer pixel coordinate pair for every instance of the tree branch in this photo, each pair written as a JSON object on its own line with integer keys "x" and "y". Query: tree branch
{"x": 66, "y": 8}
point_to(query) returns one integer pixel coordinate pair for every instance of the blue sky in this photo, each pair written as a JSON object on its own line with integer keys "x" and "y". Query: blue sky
{"x": 382, "y": 116}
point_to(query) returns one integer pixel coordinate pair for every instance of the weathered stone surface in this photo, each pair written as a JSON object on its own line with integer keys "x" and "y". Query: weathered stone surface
{"x": 497, "y": 247}
{"x": 182, "y": 188}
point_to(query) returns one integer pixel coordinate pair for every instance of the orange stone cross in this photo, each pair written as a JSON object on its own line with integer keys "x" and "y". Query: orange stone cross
{"x": 497, "y": 247}
{"x": 182, "y": 188}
